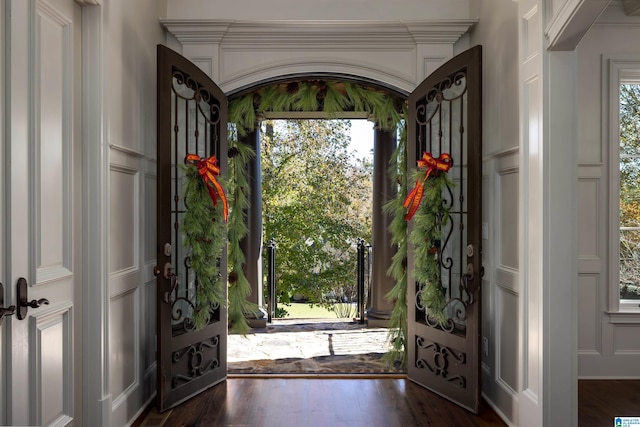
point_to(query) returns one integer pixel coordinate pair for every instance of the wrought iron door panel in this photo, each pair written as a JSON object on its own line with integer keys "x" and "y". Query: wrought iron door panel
{"x": 444, "y": 117}
{"x": 192, "y": 119}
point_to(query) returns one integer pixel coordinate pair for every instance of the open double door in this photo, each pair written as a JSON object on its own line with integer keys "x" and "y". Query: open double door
{"x": 444, "y": 117}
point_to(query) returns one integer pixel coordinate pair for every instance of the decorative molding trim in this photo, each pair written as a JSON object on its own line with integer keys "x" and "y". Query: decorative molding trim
{"x": 61, "y": 142}
{"x": 573, "y": 20}
{"x": 441, "y": 31}
{"x": 96, "y": 409}
{"x": 129, "y": 151}
{"x": 189, "y": 31}
{"x": 331, "y": 68}
{"x": 304, "y": 33}
{"x": 616, "y": 16}
{"x": 89, "y": 2}
{"x": 507, "y": 278}
{"x": 38, "y": 323}
{"x": 624, "y": 317}
{"x": 132, "y": 388}
{"x": 513, "y": 151}
{"x": 631, "y": 7}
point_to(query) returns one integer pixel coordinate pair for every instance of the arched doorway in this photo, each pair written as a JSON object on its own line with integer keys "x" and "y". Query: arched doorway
{"x": 323, "y": 96}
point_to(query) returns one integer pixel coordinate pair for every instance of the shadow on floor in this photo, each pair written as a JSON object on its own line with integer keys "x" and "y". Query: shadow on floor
{"x": 307, "y": 346}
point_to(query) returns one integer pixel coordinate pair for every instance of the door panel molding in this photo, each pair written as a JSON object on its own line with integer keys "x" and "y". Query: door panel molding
{"x": 51, "y": 331}
{"x": 51, "y": 140}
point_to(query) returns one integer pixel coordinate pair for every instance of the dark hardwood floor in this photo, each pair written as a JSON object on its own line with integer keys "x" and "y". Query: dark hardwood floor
{"x": 299, "y": 402}
{"x": 599, "y": 401}
{"x": 285, "y": 402}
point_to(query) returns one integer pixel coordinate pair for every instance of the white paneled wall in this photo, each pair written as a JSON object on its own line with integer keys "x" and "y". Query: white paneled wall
{"x": 497, "y": 32}
{"x": 608, "y": 347}
{"x": 134, "y": 32}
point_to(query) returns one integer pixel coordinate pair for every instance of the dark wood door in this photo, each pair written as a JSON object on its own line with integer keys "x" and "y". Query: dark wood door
{"x": 444, "y": 117}
{"x": 192, "y": 119}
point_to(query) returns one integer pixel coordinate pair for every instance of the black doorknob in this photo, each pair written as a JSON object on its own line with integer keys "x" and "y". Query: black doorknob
{"x": 23, "y": 302}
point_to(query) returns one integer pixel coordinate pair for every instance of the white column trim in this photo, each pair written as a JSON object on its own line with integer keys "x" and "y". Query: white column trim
{"x": 95, "y": 236}
{"x": 560, "y": 267}
{"x": 573, "y": 19}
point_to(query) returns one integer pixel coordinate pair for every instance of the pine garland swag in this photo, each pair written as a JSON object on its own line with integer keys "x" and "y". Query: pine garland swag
{"x": 204, "y": 231}
{"x": 430, "y": 219}
{"x": 329, "y": 96}
{"x": 398, "y": 333}
{"x": 239, "y": 287}
{"x": 325, "y": 96}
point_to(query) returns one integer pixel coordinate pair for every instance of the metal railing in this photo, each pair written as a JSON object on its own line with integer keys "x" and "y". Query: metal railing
{"x": 363, "y": 275}
{"x": 272, "y": 302}
{"x": 363, "y": 278}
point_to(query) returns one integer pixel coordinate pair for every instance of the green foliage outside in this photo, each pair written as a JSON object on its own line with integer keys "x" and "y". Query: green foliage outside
{"x": 316, "y": 203}
{"x": 629, "y": 191}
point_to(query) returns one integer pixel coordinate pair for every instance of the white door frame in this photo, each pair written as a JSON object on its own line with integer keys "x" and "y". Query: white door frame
{"x": 95, "y": 234}
{"x": 3, "y": 270}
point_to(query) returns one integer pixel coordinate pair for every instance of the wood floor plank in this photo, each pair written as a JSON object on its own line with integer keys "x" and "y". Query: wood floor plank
{"x": 299, "y": 402}
{"x": 599, "y": 401}
{"x": 322, "y": 403}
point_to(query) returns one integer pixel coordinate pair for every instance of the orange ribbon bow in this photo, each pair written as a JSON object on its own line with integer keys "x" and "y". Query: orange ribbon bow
{"x": 442, "y": 164}
{"x": 208, "y": 170}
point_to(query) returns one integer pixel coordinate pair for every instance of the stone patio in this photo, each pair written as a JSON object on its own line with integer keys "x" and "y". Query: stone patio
{"x": 310, "y": 346}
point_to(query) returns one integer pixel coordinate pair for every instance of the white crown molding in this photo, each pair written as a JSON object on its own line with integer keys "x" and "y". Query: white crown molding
{"x": 572, "y": 21}
{"x": 192, "y": 31}
{"x": 631, "y": 7}
{"x": 441, "y": 31}
{"x": 300, "y": 33}
{"x": 617, "y": 16}
{"x": 89, "y": 2}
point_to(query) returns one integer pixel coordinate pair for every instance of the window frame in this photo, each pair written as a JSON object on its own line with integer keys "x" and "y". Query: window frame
{"x": 620, "y": 70}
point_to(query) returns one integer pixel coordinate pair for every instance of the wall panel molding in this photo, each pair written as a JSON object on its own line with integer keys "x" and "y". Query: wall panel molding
{"x": 124, "y": 219}
{"x": 125, "y": 347}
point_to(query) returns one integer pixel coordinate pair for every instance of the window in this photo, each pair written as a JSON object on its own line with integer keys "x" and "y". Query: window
{"x": 624, "y": 119}
{"x": 629, "y": 190}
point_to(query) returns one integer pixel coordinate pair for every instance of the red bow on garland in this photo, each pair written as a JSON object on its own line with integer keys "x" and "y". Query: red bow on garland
{"x": 442, "y": 164}
{"x": 208, "y": 170}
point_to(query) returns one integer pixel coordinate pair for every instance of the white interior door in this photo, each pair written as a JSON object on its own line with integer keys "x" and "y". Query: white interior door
{"x": 42, "y": 190}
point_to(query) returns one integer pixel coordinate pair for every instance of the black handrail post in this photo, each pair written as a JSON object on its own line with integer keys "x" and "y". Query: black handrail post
{"x": 271, "y": 280}
{"x": 360, "y": 279}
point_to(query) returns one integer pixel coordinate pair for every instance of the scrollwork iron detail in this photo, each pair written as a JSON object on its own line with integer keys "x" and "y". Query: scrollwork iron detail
{"x": 198, "y": 363}
{"x": 198, "y": 94}
{"x": 433, "y": 119}
{"x": 440, "y": 360}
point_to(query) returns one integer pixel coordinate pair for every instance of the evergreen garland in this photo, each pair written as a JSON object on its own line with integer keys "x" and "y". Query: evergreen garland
{"x": 430, "y": 219}
{"x": 204, "y": 231}
{"x": 239, "y": 286}
{"x": 398, "y": 333}
{"x": 332, "y": 98}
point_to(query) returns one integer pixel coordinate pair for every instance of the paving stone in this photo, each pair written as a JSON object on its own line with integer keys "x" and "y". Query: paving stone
{"x": 310, "y": 346}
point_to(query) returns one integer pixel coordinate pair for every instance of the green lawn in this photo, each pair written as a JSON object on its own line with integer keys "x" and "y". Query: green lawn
{"x": 303, "y": 311}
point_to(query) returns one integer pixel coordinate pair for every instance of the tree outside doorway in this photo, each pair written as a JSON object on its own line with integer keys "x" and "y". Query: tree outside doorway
{"x": 317, "y": 198}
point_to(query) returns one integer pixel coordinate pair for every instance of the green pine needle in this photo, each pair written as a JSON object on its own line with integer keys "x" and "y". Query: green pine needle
{"x": 204, "y": 232}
